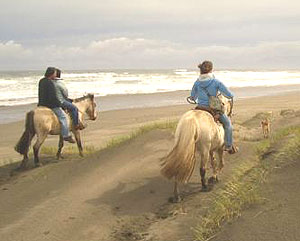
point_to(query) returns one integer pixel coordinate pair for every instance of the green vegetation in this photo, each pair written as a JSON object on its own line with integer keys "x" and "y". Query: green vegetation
{"x": 114, "y": 142}
{"x": 170, "y": 125}
{"x": 243, "y": 189}
{"x": 52, "y": 150}
{"x": 263, "y": 146}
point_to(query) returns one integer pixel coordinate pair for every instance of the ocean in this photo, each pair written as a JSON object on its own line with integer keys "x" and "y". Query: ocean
{"x": 20, "y": 88}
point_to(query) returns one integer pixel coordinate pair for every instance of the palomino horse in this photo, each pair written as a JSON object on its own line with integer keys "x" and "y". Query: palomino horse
{"x": 196, "y": 131}
{"x": 42, "y": 121}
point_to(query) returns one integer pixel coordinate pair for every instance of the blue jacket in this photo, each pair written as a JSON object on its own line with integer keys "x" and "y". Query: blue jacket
{"x": 212, "y": 85}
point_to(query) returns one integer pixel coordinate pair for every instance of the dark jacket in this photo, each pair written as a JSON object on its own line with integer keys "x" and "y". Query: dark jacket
{"x": 47, "y": 94}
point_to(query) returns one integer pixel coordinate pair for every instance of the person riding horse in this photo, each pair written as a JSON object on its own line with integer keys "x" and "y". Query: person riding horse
{"x": 48, "y": 96}
{"x": 65, "y": 102}
{"x": 204, "y": 87}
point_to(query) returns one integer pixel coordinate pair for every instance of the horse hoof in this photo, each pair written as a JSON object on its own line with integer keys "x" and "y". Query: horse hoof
{"x": 59, "y": 157}
{"x": 213, "y": 180}
{"x": 205, "y": 189}
{"x": 22, "y": 166}
{"x": 38, "y": 164}
{"x": 175, "y": 199}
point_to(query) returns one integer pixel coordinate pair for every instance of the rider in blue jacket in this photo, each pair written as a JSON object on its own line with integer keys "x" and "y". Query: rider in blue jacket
{"x": 212, "y": 85}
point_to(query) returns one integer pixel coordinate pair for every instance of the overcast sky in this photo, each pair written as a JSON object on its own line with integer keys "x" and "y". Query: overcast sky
{"x": 97, "y": 34}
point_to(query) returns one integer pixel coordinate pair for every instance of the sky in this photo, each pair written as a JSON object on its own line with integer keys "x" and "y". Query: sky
{"x": 152, "y": 34}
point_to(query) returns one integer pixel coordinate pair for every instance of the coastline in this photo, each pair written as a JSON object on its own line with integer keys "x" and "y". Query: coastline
{"x": 114, "y": 123}
{"x": 10, "y": 114}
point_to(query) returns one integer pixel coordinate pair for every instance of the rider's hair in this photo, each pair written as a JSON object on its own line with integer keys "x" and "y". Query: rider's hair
{"x": 205, "y": 67}
{"x": 50, "y": 71}
{"x": 58, "y": 73}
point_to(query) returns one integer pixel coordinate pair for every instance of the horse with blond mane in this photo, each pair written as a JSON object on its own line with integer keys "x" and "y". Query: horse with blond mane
{"x": 43, "y": 122}
{"x": 197, "y": 131}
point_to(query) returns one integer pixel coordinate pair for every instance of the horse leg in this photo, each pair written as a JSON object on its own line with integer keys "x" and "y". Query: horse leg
{"x": 78, "y": 141}
{"x": 36, "y": 148}
{"x": 204, "y": 158}
{"x": 25, "y": 155}
{"x": 221, "y": 159}
{"x": 60, "y": 147}
{"x": 24, "y": 161}
{"x": 177, "y": 198}
{"x": 214, "y": 178}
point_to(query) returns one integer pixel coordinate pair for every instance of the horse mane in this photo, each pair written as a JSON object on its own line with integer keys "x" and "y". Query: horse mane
{"x": 88, "y": 96}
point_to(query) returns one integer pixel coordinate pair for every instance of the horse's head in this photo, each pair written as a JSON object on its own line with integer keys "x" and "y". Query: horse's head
{"x": 87, "y": 104}
{"x": 91, "y": 110}
{"x": 227, "y": 103}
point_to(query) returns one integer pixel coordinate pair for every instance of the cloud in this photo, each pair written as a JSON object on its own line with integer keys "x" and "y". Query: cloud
{"x": 124, "y": 52}
{"x": 13, "y": 55}
{"x": 12, "y": 49}
{"x": 72, "y": 22}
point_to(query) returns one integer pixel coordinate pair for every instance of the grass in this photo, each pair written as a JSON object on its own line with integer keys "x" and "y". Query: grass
{"x": 263, "y": 146}
{"x": 51, "y": 150}
{"x": 243, "y": 189}
{"x": 114, "y": 142}
{"x": 117, "y": 141}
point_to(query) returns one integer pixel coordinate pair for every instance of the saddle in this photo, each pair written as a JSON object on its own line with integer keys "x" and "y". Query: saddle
{"x": 214, "y": 114}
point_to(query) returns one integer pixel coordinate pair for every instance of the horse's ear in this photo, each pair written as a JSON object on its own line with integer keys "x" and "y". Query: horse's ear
{"x": 92, "y": 96}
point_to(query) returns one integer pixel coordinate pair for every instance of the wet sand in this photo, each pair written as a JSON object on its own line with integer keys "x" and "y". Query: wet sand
{"x": 10, "y": 114}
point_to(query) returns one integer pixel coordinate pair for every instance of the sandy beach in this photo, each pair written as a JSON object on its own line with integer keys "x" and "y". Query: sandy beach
{"x": 114, "y": 123}
{"x": 118, "y": 194}
{"x": 148, "y": 165}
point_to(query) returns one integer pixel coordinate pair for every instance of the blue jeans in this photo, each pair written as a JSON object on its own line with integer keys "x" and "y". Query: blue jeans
{"x": 63, "y": 121}
{"x": 73, "y": 110}
{"x": 228, "y": 129}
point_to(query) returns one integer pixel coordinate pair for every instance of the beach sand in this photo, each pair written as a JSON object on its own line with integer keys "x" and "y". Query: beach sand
{"x": 118, "y": 193}
{"x": 114, "y": 123}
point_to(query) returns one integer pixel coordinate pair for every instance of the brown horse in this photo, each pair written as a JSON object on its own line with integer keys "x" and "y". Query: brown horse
{"x": 42, "y": 121}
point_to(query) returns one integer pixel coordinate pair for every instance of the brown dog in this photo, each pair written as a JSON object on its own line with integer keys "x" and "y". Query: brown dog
{"x": 266, "y": 127}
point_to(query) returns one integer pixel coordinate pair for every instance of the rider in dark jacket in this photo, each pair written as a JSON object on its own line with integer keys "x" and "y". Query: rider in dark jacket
{"x": 48, "y": 98}
{"x": 47, "y": 93}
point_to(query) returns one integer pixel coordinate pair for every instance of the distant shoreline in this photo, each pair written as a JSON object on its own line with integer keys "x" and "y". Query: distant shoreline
{"x": 10, "y": 114}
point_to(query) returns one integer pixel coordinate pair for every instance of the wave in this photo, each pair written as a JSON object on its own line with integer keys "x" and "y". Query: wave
{"x": 22, "y": 89}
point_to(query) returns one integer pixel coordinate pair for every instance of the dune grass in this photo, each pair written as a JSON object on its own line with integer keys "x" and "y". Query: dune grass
{"x": 243, "y": 188}
{"x": 114, "y": 142}
{"x": 52, "y": 150}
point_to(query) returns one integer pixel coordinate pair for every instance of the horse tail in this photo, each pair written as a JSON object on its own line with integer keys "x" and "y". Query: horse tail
{"x": 180, "y": 161}
{"x": 23, "y": 144}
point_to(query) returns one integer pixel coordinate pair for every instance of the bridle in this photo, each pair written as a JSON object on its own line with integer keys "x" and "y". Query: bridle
{"x": 92, "y": 117}
{"x": 91, "y": 109}
{"x": 231, "y": 108}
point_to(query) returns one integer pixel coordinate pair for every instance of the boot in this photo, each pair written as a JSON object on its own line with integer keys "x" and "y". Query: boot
{"x": 80, "y": 126}
{"x": 232, "y": 150}
{"x": 69, "y": 139}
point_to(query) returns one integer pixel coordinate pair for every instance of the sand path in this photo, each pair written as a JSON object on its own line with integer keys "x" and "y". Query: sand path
{"x": 75, "y": 200}
{"x": 110, "y": 194}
